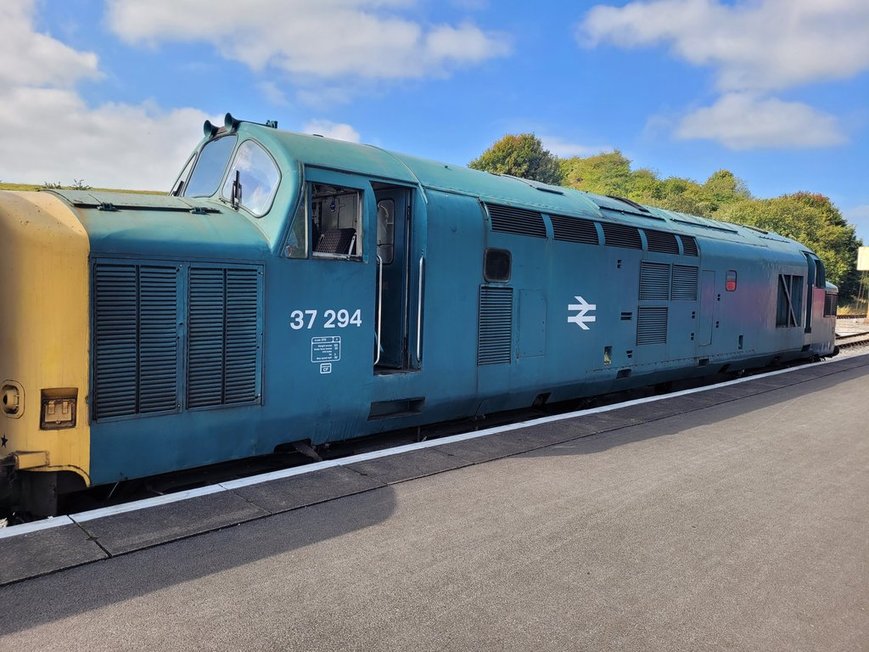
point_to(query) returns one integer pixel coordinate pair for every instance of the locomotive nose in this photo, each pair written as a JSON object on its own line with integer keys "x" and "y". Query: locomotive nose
{"x": 44, "y": 333}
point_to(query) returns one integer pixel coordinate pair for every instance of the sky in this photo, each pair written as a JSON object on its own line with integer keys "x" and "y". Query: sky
{"x": 113, "y": 93}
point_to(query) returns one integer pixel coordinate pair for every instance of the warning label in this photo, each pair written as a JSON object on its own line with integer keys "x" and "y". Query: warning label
{"x": 326, "y": 349}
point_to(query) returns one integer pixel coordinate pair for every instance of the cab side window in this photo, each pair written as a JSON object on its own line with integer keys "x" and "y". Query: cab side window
{"x": 327, "y": 223}
{"x": 336, "y": 224}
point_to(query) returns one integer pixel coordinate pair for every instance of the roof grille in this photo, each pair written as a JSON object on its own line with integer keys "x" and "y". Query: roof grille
{"x": 619, "y": 235}
{"x": 689, "y": 245}
{"x": 521, "y": 221}
{"x": 662, "y": 242}
{"x": 574, "y": 229}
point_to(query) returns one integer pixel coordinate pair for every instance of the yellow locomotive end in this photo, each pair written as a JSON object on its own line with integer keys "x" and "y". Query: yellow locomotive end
{"x": 44, "y": 336}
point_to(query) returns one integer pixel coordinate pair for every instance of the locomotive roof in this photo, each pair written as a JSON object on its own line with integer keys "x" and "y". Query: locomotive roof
{"x": 374, "y": 161}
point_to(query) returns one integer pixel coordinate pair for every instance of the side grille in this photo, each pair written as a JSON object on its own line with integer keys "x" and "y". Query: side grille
{"x": 516, "y": 220}
{"x": 684, "y": 283}
{"x": 135, "y": 339}
{"x": 651, "y": 326}
{"x": 158, "y": 338}
{"x": 495, "y": 337}
{"x": 619, "y": 235}
{"x": 137, "y": 353}
{"x": 654, "y": 282}
{"x": 574, "y": 229}
{"x": 223, "y": 342}
{"x": 662, "y": 242}
{"x": 689, "y": 244}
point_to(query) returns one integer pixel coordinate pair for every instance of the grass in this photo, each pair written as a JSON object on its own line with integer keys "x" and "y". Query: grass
{"x": 80, "y": 186}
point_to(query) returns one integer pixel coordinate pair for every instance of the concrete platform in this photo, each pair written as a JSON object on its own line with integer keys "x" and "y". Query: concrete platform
{"x": 736, "y": 518}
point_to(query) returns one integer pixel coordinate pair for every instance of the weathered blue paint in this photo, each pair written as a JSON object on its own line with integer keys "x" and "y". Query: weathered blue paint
{"x": 448, "y": 233}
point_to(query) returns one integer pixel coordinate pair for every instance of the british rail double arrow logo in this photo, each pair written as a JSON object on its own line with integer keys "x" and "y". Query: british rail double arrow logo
{"x": 582, "y": 318}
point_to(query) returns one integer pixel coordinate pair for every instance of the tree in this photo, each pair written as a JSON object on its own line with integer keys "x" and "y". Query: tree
{"x": 522, "y": 156}
{"x": 608, "y": 173}
{"x": 723, "y": 187}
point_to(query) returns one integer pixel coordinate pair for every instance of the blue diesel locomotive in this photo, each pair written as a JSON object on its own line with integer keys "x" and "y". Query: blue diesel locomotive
{"x": 296, "y": 288}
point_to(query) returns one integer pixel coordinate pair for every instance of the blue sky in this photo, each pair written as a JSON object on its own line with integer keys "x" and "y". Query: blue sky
{"x": 777, "y": 91}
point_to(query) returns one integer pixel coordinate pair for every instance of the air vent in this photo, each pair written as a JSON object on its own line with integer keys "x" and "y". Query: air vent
{"x": 662, "y": 242}
{"x": 495, "y": 337}
{"x": 654, "y": 282}
{"x": 135, "y": 339}
{"x": 520, "y": 221}
{"x": 619, "y": 235}
{"x": 158, "y": 339}
{"x": 223, "y": 358}
{"x": 689, "y": 245}
{"x": 574, "y": 229}
{"x": 684, "y": 283}
{"x": 651, "y": 326}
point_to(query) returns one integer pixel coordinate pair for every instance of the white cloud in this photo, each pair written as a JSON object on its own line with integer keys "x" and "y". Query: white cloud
{"x": 761, "y": 45}
{"x": 311, "y": 38}
{"x": 745, "y": 121}
{"x": 565, "y": 149}
{"x": 37, "y": 59}
{"x": 51, "y": 135}
{"x": 755, "y": 47}
{"x": 329, "y": 129}
{"x": 273, "y": 94}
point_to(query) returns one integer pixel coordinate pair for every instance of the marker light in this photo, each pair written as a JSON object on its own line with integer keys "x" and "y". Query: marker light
{"x": 730, "y": 281}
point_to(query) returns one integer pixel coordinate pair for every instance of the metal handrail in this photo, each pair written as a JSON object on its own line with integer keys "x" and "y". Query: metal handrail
{"x": 379, "y": 304}
{"x": 419, "y": 310}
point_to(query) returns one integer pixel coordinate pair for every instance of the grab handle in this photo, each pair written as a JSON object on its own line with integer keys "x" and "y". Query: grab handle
{"x": 419, "y": 309}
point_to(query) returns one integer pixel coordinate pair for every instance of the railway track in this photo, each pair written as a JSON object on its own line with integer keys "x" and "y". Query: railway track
{"x": 850, "y": 340}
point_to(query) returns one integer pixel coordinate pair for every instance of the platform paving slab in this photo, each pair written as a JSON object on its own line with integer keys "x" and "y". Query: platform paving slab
{"x": 492, "y": 447}
{"x": 307, "y": 489}
{"x": 46, "y": 551}
{"x": 128, "y": 531}
{"x": 408, "y": 466}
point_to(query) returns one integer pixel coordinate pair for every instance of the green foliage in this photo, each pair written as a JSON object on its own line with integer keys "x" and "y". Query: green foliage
{"x": 605, "y": 174}
{"x": 521, "y": 156}
{"x": 806, "y": 217}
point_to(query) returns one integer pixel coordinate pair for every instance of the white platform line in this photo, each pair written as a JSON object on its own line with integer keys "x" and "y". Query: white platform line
{"x": 231, "y": 485}
{"x": 36, "y": 526}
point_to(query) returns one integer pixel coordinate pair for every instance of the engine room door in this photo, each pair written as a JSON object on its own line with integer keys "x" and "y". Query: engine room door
{"x": 708, "y": 299}
{"x": 393, "y": 272}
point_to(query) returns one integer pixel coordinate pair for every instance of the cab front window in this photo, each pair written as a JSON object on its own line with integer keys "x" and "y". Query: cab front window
{"x": 210, "y": 167}
{"x": 255, "y": 177}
